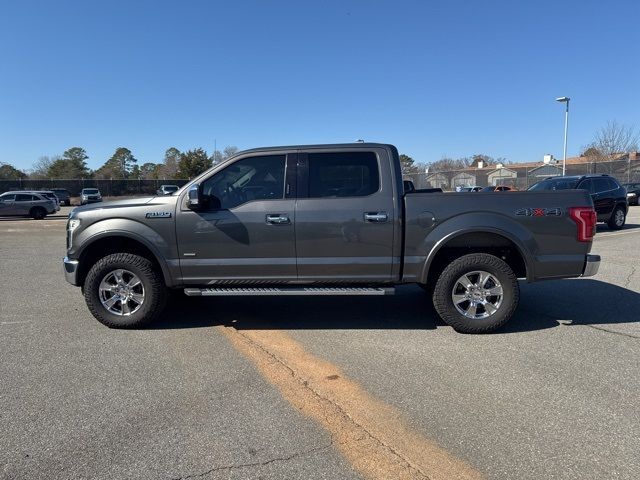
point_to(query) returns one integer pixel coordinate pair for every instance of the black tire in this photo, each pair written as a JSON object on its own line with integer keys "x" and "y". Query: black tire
{"x": 448, "y": 280}
{"x": 618, "y": 218}
{"x": 37, "y": 213}
{"x": 152, "y": 282}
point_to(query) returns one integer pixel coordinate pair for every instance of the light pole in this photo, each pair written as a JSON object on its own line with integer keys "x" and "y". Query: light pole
{"x": 566, "y": 128}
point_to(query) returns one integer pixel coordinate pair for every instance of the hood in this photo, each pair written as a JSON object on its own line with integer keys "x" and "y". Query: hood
{"x": 130, "y": 202}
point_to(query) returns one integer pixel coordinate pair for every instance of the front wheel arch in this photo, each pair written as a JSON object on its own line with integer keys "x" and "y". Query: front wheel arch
{"x": 106, "y": 245}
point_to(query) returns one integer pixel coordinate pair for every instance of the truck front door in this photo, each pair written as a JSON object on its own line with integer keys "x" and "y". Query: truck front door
{"x": 345, "y": 216}
{"x": 245, "y": 231}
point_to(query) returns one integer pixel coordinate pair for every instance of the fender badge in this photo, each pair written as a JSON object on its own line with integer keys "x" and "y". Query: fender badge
{"x": 158, "y": 215}
{"x": 539, "y": 212}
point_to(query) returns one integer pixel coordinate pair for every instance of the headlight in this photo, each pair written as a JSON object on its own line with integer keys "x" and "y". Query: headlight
{"x": 73, "y": 224}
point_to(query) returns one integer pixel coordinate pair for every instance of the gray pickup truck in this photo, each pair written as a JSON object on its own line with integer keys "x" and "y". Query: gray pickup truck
{"x": 325, "y": 220}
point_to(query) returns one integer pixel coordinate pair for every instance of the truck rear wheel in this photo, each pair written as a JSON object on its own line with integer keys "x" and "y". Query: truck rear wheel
{"x": 123, "y": 290}
{"x": 476, "y": 293}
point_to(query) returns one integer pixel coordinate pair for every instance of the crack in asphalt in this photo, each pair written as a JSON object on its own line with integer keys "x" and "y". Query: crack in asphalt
{"x": 631, "y": 274}
{"x": 257, "y": 464}
{"x": 574, "y": 324}
{"x": 409, "y": 465}
{"x": 602, "y": 329}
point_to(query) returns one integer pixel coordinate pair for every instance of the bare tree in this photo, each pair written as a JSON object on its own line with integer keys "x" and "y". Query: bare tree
{"x": 169, "y": 168}
{"x": 446, "y": 164}
{"x": 610, "y": 143}
{"x": 40, "y": 168}
{"x": 218, "y": 157}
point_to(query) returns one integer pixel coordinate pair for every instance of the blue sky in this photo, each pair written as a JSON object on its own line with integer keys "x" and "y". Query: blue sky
{"x": 435, "y": 78}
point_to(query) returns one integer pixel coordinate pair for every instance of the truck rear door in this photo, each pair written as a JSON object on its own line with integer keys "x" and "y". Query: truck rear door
{"x": 345, "y": 216}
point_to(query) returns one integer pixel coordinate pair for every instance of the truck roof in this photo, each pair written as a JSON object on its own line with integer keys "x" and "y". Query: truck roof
{"x": 318, "y": 146}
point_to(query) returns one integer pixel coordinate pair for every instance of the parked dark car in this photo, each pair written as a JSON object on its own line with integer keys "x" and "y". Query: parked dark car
{"x": 90, "y": 195}
{"x": 609, "y": 197}
{"x": 64, "y": 197}
{"x": 633, "y": 192}
{"x": 499, "y": 188}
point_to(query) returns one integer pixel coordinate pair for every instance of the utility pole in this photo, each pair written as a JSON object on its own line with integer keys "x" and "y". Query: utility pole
{"x": 565, "y": 100}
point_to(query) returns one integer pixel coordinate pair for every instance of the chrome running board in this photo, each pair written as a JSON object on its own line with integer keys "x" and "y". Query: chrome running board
{"x": 287, "y": 291}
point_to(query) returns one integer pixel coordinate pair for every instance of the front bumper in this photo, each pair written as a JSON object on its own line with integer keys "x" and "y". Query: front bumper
{"x": 70, "y": 270}
{"x": 591, "y": 265}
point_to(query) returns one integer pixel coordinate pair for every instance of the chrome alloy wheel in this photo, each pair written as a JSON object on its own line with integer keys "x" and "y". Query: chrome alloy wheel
{"x": 477, "y": 294}
{"x": 121, "y": 292}
{"x": 619, "y": 218}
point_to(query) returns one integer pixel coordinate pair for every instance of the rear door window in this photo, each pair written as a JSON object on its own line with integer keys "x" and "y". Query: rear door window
{"x": 587, "y": 185}
{"x": 612, "y": 184}
{"x": 344, "y": 174}
{"x": 25, "y": 197}
{"x": 601, "y": 185}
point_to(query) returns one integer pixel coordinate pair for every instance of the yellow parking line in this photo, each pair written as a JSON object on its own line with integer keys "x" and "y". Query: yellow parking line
{"x": 371, "y": 435}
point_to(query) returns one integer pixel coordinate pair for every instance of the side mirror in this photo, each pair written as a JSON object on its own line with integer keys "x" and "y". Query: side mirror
{"x": 193, "y": 198}
{"x": 196, "y": 200}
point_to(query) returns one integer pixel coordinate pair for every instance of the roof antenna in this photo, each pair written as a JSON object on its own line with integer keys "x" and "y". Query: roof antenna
{"x": 359, "y": 141}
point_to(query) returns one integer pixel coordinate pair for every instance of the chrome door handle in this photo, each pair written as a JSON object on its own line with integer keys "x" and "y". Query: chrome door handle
{"x": 278, "y": 219}
{"x": 376, "y": 217}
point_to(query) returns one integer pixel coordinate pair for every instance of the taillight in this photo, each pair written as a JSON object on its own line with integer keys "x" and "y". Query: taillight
{"x": 585, "y": 218}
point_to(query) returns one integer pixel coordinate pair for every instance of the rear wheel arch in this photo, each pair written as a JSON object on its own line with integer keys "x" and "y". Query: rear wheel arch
{"x": 38, "y": 212}
{"x": 497, "y": 243}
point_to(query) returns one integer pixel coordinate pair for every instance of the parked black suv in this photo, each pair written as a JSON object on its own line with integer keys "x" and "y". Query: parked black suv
{"x": 64, "y": 197}
{"x": 609, "y": 197}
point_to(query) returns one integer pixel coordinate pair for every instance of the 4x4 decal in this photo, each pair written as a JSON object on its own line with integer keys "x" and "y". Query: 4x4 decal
{"x": 539, "y": 212}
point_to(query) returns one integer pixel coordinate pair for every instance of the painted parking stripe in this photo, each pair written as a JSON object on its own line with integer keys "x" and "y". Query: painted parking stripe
{"x": 371, "y": 435}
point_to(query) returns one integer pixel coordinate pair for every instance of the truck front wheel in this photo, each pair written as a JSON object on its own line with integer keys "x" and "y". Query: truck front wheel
{"x": 476, "y": 293}
{"x": 123, "y": 290}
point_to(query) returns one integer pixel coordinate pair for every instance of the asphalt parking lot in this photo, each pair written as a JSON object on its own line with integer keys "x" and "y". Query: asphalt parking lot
{"x": 318, "y": 388}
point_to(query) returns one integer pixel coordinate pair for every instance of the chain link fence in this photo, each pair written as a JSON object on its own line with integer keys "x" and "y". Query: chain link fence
{"x": 523, "y": 176}
{"x": 108, "y": 188}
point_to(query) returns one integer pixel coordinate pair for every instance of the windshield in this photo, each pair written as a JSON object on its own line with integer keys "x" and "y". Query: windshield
{"x": 90, "y": 191}
{"x": 555, "y": 184}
